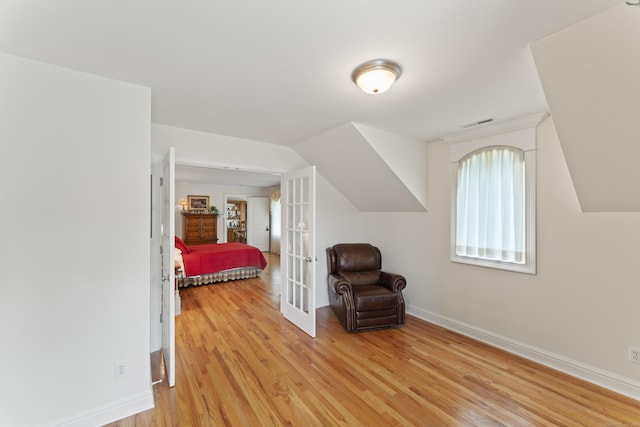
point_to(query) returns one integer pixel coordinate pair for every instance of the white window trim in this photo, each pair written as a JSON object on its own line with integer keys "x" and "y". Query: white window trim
{"x": 529, "y": 266}
{"x": 519, "y": 133}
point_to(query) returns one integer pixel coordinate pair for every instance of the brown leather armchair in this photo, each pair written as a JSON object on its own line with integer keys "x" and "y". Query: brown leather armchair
{"x": 362, "y": 295}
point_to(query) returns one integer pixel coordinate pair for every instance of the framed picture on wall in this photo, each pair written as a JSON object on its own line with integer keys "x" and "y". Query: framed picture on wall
{"x": 197, "y": 203}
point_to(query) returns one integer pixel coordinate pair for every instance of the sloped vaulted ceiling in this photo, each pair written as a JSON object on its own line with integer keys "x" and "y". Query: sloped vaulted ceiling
{"x": 376, "y": 170}
{"x": 590, "y": 73}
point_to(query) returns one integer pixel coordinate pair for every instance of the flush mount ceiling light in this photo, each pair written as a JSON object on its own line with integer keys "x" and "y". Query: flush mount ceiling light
{"x": 376, "y": 76}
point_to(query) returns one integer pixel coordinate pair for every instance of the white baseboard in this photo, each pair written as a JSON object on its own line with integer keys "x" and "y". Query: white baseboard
{"x": 574, "y": 368}
{"x": 108, "y": 413}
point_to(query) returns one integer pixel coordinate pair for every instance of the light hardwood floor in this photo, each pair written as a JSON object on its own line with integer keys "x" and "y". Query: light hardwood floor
{"x": 239, "y": 363}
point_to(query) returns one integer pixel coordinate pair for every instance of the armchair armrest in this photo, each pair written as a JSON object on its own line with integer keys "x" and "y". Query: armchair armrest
{"x": 392, "y": 281}
{"x": 339, "y": 284}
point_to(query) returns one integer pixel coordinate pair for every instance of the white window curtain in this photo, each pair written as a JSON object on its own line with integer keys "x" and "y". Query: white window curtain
{"x": 490, "y": 211}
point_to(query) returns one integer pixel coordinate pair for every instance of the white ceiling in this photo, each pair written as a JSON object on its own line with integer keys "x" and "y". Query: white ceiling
{"x": 279, "y": 71}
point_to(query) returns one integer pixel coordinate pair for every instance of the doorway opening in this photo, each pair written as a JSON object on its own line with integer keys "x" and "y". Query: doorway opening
{"x": 235, "y": 219}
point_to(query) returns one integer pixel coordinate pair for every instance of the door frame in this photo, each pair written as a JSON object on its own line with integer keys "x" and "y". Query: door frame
{"x": 226, "y": 198}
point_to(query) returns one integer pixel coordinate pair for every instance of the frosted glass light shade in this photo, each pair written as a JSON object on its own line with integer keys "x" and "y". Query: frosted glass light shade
{"x": 376, "y": 76}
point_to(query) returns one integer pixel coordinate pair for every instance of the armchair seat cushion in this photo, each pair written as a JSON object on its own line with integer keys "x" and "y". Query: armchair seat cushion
{"x": 362, "y": 277}
{"x": 373, "y": 297}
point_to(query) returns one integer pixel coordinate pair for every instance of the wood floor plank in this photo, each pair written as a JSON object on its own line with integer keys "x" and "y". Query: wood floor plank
{"x": 240, "y": 363}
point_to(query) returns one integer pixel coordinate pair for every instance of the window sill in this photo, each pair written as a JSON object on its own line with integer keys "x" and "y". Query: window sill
{"x": 499, "y": 265}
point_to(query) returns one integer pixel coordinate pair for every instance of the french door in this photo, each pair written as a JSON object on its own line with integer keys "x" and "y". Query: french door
{"x": 168, "y": 272}
{"x": 298, "y": 257}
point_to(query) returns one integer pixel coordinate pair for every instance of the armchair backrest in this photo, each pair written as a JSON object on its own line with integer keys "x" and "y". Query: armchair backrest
{"x": 353, "y": 258}
{"x": 356, "y": 257}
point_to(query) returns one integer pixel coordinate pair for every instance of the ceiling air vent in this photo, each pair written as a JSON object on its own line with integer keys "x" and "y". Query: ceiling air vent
{"x": 481, "y": 122}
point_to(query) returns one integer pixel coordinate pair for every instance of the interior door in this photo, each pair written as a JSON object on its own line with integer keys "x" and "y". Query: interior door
{"x": 168, "y": 272}
{"x": 298, "y": 303}
{"x": 258, "y": 222}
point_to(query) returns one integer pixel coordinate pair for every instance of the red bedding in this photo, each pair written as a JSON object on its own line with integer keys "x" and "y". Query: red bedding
{"x": 206, "y": 259}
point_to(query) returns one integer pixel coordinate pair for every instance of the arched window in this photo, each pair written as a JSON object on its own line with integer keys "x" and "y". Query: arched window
{"x": 493, "y": 201}
{"x": 490, "y": 205}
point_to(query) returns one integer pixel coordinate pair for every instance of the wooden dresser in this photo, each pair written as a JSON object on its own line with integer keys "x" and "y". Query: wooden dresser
{"x": 199, "y": 228}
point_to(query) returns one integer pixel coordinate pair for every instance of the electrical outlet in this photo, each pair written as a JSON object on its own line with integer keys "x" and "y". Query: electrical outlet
{"x": 634, "y": 355}
{"x": 121, "y": 369}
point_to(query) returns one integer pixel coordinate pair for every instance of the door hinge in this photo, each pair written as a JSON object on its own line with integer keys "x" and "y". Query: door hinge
{"x": 161, "y": 181}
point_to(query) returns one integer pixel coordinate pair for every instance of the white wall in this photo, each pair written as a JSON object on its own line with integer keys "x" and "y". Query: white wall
{"x": 578, "y": 313}
{"x": 406, "y": 157}
{"x": 74, "y": 181}
{"x": 380, "y": 186}
{"x": 195, "y": 148}
{"x": 337, "y": 221}
{"x": 589, "y": 72}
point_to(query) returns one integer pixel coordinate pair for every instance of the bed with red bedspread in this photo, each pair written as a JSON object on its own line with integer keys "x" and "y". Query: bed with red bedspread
{"x": 221, "y": 262}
